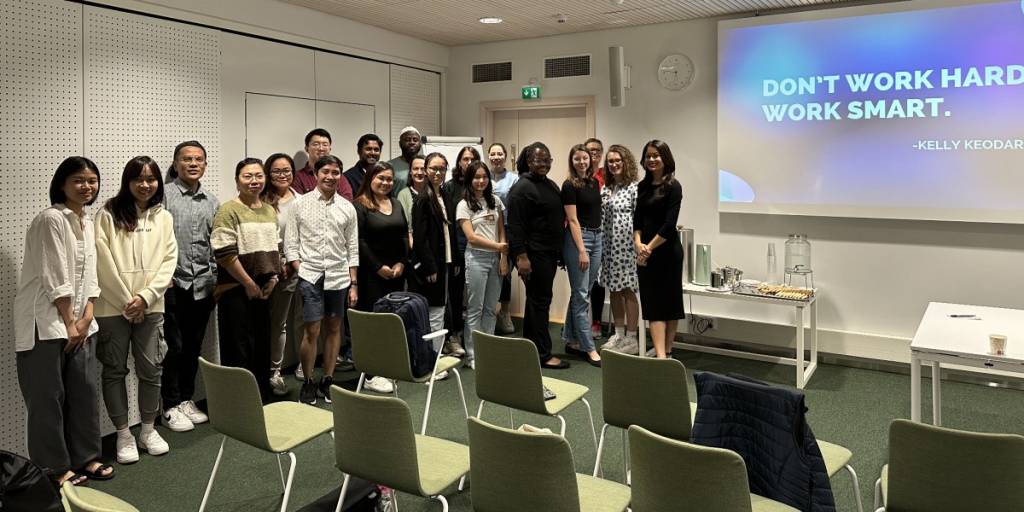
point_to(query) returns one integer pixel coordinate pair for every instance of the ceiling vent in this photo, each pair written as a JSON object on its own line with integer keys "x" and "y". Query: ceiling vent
{"x": 492, "y": 72}
{"x": 563, "y": 67}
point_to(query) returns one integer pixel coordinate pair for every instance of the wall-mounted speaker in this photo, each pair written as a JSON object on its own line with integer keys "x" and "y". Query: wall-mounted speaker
{"x": 617, "y": 75}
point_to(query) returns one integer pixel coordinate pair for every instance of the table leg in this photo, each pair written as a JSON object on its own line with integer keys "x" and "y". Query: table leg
{"x": 814, "y": 333}
{"x": 936, "y": 394}
{"x": 915, "y": 388}
{"x": 799, "y": 347}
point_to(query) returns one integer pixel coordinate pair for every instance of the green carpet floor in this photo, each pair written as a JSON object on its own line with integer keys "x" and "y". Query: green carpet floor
{"x": 850, "y": 407}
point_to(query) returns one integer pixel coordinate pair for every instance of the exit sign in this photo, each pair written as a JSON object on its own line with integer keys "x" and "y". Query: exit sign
{"x": 531, "y": 92}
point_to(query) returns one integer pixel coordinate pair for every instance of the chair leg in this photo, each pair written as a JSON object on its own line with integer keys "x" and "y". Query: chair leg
{"x": 213, "y": 474}
{"x": 625, "y": 457}
{"x": 288, "y": 486}
{"x": 280, "y": 470}
{"x": 444, "y": 502}
{"x": 590, "y": 415}
{"x": 426, "y": 411}
{"x": 561, "y": 419}
{"x": 341, "y": 495}
{"x": 878, "y": 493}
{"x": 359, "y": 385}
{"x": 462, "y": 394}
{"x": 856, "y": 488}
{"x": 511, "y": 422}
{"x": 480, "y": 410}
{"x": 600, "y": 448}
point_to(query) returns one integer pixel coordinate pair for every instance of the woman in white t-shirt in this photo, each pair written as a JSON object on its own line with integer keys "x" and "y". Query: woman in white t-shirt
{"x": 480, "y": 215}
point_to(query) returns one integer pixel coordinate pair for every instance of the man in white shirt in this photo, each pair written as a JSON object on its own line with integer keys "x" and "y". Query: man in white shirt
{"x": 322, "y": 247}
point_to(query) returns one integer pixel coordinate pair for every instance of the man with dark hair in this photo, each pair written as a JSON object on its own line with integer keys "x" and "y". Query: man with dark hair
{"x": 318, "y": 145}
{"x": 369, "y": 148}
{"x": 409, "y": 141}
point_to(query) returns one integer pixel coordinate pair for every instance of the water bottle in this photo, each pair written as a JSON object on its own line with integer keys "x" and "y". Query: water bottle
{"x": 772, "y": 273}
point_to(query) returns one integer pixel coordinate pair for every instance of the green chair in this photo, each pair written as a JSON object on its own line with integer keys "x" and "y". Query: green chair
{"x": 375, "y": 441}
{"x": 379, "y": 348}
{"x": 668, "y": 473}
{"x": 508, "y": 373}
{"x": 236, "y": 411}
{"x": 938, "y": 469}
{"x": 514, "y": 471}
{"x": 645, "y": 391}
{"x": 84, "y": 499}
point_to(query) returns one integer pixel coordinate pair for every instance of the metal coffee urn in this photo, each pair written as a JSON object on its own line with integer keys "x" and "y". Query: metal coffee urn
{"x": 686, "y": 239}
{"x": 702, "y": 269}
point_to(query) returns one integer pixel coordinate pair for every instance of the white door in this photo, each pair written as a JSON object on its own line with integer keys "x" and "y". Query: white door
{"x": 559, "y": 128}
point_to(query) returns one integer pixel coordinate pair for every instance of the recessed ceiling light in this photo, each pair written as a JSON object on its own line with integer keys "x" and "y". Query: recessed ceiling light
{"x": 490, "y": 20}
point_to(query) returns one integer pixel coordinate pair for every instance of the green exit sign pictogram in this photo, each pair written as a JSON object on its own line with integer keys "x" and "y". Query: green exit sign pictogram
{"x": 531, "y": 92}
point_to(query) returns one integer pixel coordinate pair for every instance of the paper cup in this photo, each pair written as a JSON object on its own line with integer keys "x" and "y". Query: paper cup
{"x": 997, "y": 344}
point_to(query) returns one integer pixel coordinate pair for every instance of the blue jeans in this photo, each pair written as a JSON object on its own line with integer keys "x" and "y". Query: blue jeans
{"x": 483, "y": 284}
{"x": 577, "y": 317}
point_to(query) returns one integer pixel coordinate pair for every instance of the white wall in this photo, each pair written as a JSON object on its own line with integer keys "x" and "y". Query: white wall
{"x": 877, "y": 276}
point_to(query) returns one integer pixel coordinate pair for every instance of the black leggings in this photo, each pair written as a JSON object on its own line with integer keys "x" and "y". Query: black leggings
{"x": 597, "y": 301}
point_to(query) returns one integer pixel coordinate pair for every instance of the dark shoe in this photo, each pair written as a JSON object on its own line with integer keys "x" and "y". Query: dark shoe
{"x": 100, "y": 473}
{"x": 571, "y": 350}
{"x": 324, "y": 388}
{"x": 561, "y": 365}
{"x": 594, "y": 362}
{"x": 307, "y": 394}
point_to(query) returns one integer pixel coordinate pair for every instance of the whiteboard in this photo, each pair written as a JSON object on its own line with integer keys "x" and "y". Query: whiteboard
{"x": 450, "y": 146}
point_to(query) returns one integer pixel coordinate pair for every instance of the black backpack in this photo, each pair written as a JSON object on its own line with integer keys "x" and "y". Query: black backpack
{"x": 26, "y": 487}
{"x": 412, "y": 308}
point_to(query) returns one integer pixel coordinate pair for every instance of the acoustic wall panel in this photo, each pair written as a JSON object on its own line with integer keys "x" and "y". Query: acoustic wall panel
{"x": 415, "y": 101}
{"x": 41, "y": 123}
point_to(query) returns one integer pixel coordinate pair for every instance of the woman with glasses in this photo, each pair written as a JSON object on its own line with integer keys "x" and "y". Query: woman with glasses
{"x": 659, "y": 253}
{"x": 280, "y": 195}
{"x": 246, "y": 244}
{"x": 536, "y": 234}
{"x": 581, "y": 198}
{"x": 452, "y": 192}
{"x": 618, "y": 258}
{"x": 417, "y": 182}
{"x": 431, "y": 242}
{"x": 502, "y": 182}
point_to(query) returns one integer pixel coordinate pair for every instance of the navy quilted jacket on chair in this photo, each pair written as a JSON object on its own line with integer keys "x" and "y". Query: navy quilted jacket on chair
{"x": 766, "y": 426}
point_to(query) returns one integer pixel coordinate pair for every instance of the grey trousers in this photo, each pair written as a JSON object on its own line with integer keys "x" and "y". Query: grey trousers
{"x": 60, "y": 395}
{"x": 285, "y": 315}
{"x": 148, "y": 348}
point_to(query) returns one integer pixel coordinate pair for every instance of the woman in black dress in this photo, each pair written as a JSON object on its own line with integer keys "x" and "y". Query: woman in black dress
{"x": 383, "y": 237}
{"x": 431, "y": 241}
{"x": 659, "y": 253}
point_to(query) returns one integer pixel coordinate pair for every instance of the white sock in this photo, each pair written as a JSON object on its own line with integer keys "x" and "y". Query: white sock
{"x": 633, "y": 334}
{"x": 146, "y": 428}
{"x": 124, "y": 432}
{"x": 620, "y": 330}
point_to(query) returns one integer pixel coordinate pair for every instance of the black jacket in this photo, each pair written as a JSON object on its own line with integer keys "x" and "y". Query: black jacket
{"x": 428, "y": 233}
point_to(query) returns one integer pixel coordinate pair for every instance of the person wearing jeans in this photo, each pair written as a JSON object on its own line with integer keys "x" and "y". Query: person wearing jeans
{"x": 136, "y": 254}
{"x": 581, "y": 198}
{"x": 480, "y": 215}
{"x": 189, "y": 301}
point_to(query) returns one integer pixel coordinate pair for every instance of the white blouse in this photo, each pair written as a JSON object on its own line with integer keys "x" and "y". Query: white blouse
{"x": 60, "y": 261}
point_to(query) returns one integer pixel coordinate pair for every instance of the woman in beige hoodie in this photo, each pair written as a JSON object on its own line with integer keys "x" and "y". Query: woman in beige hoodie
{"x": 136, "y": 256}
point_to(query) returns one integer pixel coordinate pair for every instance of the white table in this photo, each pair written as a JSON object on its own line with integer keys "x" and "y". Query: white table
{"x": 804, "y": 368}
{"x": 941, "y": 338}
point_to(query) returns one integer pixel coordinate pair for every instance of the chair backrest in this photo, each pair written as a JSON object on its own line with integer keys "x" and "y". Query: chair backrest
{"x": 235, "y": 407}
{"x": 646, "y": 391}
{"x": 379, "y": 346}
{"x": 666, "y": 473}
{"x": 374, "y": 440}
{"x": 515, "y": 471}
{"x": 939, "y": 469}
{"x": 91, "y": 500}
{"x": 508, "y": 372}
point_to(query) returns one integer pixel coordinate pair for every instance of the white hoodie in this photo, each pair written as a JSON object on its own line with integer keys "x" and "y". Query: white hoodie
{"x": 139, "y": 262}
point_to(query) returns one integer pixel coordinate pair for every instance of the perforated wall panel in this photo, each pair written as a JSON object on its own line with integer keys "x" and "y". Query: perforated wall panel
{"x": 415, "y": 101}
{"x": 150, "y": 84}
{"x": 41, "y": 124}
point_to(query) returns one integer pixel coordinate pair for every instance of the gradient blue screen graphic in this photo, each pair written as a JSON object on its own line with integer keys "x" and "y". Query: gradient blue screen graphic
{"x": 916, "y": 114}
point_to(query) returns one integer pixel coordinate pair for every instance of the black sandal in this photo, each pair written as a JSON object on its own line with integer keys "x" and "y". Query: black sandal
{"x": 76, "y": 479}
{"x": 98, "y": 473}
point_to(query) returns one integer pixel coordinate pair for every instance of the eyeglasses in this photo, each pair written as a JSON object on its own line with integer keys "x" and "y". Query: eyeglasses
{"x": 437, "y": 169}
{"x": 92, "y": 182}
{"x": 319, "y": 144}
{"x": 281, "y": 172}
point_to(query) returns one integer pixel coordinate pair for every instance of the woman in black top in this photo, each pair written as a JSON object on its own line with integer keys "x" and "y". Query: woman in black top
{"x": 659, "y": 252}
{"x": 431, "y": 242}
{"x": 536, "y": 235}
{"x": 383, "y": 237}
{"x": 452, "y": 192}
{"x": 581, "y": 199}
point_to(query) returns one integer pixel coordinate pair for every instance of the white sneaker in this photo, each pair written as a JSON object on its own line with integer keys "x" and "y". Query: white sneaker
{"x": 193, "y": 413}
{"x": 298, "y": 373}
{"x": 127, "y": 452}
{"x": 153, "y": 443}
{"x": 613, "y": 342}
{"x": 277, "y": 384}
{"x": 630, "y": 346}
{"x": 176, "y": 420}
{"x": 379, "y": 385}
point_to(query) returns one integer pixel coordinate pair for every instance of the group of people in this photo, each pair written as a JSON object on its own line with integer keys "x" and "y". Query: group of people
{"x": 296, "y": 248}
